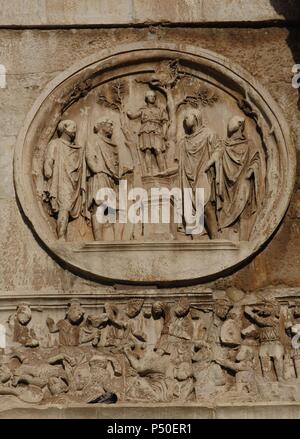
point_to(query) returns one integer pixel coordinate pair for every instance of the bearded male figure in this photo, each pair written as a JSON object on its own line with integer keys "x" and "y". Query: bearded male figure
{"x": 103, "y": 163}
{"x": 64, "y": 170}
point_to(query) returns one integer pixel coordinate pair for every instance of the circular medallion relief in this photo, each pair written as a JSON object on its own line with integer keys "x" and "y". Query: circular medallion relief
{"x": 154, "y": 165}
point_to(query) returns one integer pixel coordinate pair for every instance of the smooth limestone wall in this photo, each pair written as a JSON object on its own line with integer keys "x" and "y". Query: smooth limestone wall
{"x": 34, "y": 56}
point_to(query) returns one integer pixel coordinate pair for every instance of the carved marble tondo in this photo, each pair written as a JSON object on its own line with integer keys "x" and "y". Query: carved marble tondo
{"x": 154, "y": 116}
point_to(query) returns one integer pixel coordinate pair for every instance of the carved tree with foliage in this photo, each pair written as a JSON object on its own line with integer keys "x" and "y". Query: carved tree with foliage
{"x": 166, "y": 79}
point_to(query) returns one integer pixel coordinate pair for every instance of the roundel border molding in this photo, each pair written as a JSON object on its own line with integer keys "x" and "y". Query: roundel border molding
{"x": 159, "y": 261}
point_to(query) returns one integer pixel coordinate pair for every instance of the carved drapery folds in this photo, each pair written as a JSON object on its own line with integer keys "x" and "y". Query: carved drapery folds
{"x": 162, "y": 118}
{"x": 172, "y": 142}
{"x": 162, "y": 351}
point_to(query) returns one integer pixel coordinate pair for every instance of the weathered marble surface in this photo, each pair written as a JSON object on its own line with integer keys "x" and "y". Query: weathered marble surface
{"x": 134, "y": 411}
{"x": 205, "y": 347}
{"x": 139, "y": 12}
{"x": 88, "y": 126}
{"x": 26, "y": 55}
{"x": 33, "y": 57}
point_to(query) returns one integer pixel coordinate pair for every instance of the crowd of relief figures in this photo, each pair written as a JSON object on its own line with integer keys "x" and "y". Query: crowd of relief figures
{"x": 165, "y": 129}
{"x": 161, "y": 351}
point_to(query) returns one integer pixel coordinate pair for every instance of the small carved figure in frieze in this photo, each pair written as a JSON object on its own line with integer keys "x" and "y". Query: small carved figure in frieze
{"x": 92, "y": 380}
{"x": 161, "y": 310}
{"x": 70, "y": 327}
{"x": 28, "y": 394}
{"x": 181, "y": 325}
{"x": 183, "y": 373}
{"x": 267, "y": 317}
{"x": 210, "y": 379}
{"x": 134, "y": 322}
{"x": 239, "y": 179}
{"x": 75, "y": 376}
{"x": 5, "y": 374}
{"x": 19, "y": 323}
{"x": 6, "y": 379}
{"x": 292, "y": 326}
{"x": 231, "y": 330}
{"x": 196, "y": 148}
{"x": 105, "y": 370}
{"x": 57, "y": 386}
{"x": 220, "y": 311}
{"x": 155, "y": 378}
{"x": 177, "y": 326}
{"x": 38, "y": 368}
{"x": 152, "y": 133}
{"x": 103, "y": 386}
{"x": 64, "y": 171}
{"x": 63, "y": 383}
{"x": 91, "y": 331}
{"x": 81, "y": 375}
{"x": 244, "y": 367}
{"x": 125, "y": 325}
{"x": 102, "y": 158}
{"x": 116, "y": 325}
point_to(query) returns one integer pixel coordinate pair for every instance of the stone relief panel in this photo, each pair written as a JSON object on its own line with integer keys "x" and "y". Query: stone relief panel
{"x": 154, "y": 118}
{"x": 218, "y": 347}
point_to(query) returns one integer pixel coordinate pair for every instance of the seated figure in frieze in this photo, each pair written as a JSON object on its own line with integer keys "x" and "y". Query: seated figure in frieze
{"x": 244, "y": 366}
{"x": 210, "y": 379}
{"x": 154, "y": 375}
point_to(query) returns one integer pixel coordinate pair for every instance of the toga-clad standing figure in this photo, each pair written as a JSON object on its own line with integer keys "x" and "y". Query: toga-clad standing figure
{"x": 240, "y": 179}
{"x": 196, "y": 148}
{"x": 64, "y": 170}
{"x": 103, "y": 163}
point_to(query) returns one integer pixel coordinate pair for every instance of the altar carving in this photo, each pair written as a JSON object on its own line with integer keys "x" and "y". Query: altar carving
{"x": 152, "y": 133}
